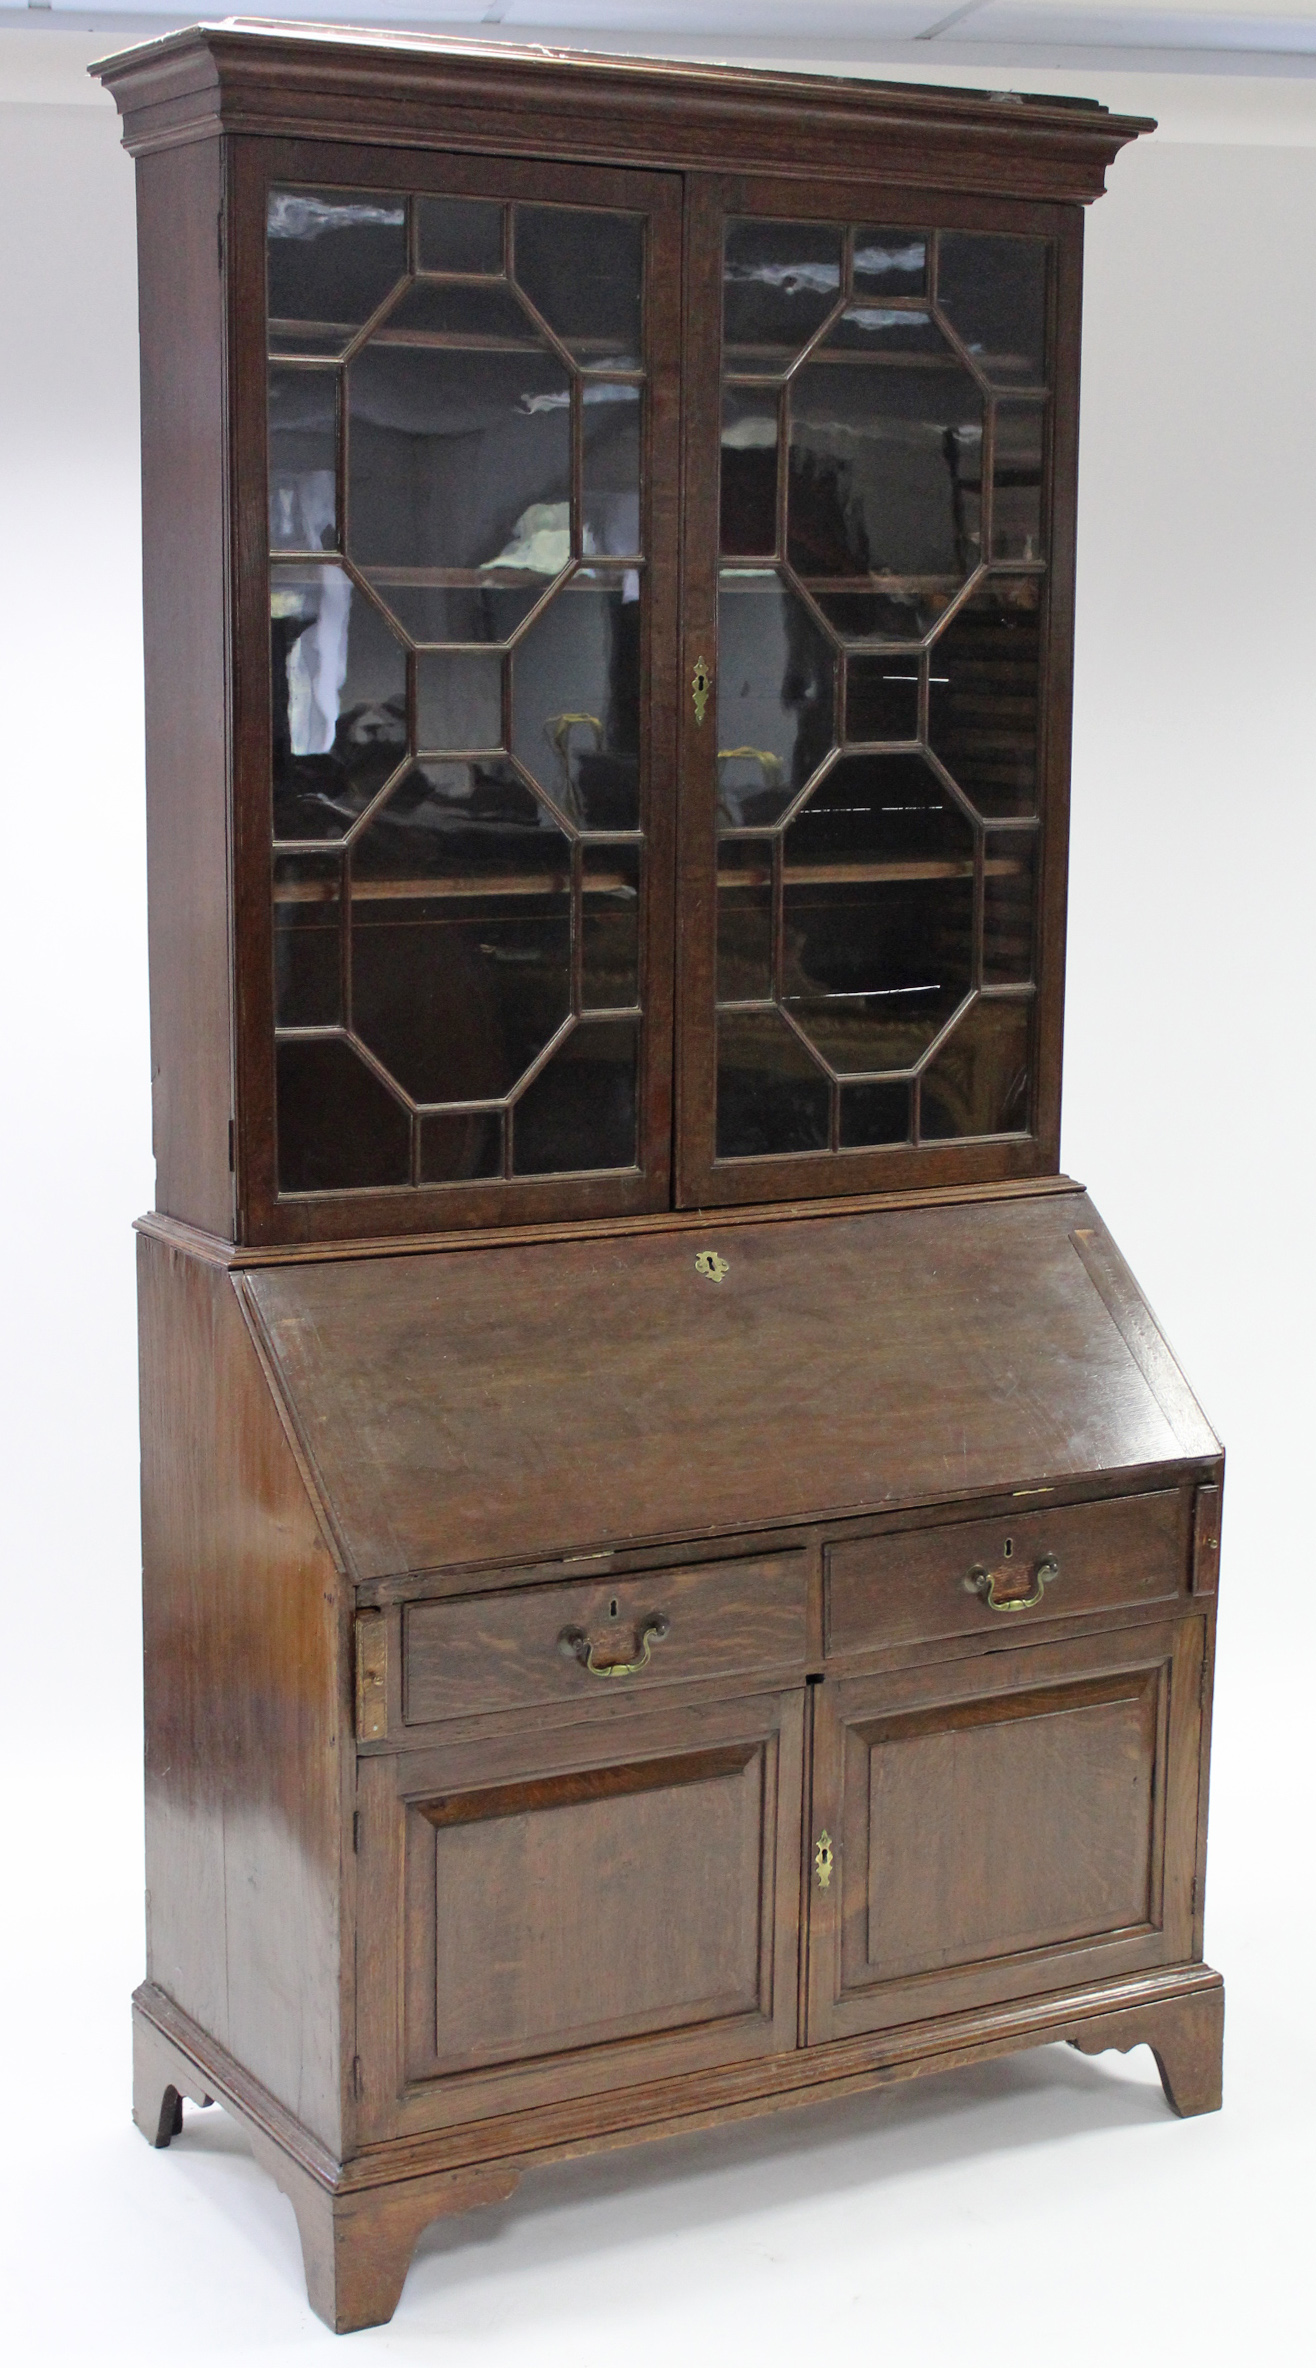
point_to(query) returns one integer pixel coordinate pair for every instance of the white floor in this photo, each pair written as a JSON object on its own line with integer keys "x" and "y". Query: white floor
{"x": 1048, "y": 2209}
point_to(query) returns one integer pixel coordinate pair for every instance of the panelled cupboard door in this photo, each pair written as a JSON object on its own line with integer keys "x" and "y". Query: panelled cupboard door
{"x": 558, "y": 1916}
{"x": 455, "y": 392}
{"x": 989, "y": 1829}
{"x": 878, "y": 572}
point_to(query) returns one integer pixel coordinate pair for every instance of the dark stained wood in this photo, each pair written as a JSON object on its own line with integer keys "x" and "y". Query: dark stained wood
{"x": 872, "y": 1361}
{"x": 1206, "y": 1538}
{"x": 185, "y": 596}
{"x": 422, "y": 91}
{"x": 908, "y": 1586}
{"x": 1187, "y": 2038}
{"x": 503, "y": 1651}
{"x": 1004, "y": 1825}
{"x": 247, "y": 1717}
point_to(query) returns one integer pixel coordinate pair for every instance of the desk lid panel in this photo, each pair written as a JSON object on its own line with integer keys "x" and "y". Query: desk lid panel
{"x": 512, "y": 1403}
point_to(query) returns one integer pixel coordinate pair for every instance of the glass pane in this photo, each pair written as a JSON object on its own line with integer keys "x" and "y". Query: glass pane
{"x": 459, "y": 700}
{"x": 749, "y": 472}
{"x": 993, "y": 292}
{"x": 781, "y": 280}
{"x": 339, "y": 701}
{"x": 584, "y": 272}
{"x": 339, "y": 1128}
{"x": 744, "y": 920}
{"x": 439, "y": 309}
{"x": 610, "y": 928}
{"x": 885, "y": 468}
{"x": 770, "y": 1095}
{"x": 576, "y": 700}
{"x": 1017, "y": 479}
{"x": 886, "y": 616}
{"x": 610, "y": 469}
{"x": 978, "y": 1084}
{"x": 885, "y": 329}
{"x": 459, "y": 460}
{"x": 307, "y": 941}
{"x": 434, "y": 613}
{"x": 889, "y": 263}
{"x": 1008, "y": 908}
{"x": 874, "y": 1114}
{"x": 982, "y": 696}
{"x": 881, "y": 698}
{"x": 467, "y": 1144}
{"x": 333, "y": 256}
{"x": 473, "y": 824}
{"x": 580, "y": 1112}
{"x": 459, "y": 234}
{"x": 776, "y": 698}
{"x": 878, "y": 913}
{"x": 303, "y": 459}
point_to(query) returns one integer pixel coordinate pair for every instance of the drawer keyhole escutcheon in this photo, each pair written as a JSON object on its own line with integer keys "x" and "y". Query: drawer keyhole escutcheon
{"x": 708, "y": 1263}
{"x": 985, "y": 1583}
{"x": 824, "y": 1858}
{"x": 574, "y": 1645}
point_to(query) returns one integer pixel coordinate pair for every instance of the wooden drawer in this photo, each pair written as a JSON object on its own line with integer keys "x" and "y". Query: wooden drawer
{"x": 508, "y": 1650}
{"x": 916, "y": 1585}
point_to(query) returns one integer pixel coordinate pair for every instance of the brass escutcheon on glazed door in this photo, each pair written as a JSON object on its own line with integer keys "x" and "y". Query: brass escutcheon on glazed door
{"x": 701, "y": 683}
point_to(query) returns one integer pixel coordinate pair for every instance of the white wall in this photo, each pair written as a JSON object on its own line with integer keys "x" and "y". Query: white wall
{"x": 1189, "y": 1081}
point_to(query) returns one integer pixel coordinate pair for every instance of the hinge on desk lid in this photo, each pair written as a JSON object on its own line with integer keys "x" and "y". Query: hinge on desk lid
{"x": 371, "y": 1677}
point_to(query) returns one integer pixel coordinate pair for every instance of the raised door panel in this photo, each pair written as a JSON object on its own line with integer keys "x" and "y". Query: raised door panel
{"x": 455, "y": 413}
{"x": 879, "y": 582}
{"x": 1003, "y": 1827}
{"x": 616, "y": 1906}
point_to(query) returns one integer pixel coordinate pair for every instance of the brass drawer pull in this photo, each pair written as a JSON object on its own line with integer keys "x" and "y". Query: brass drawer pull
{"x": 983, "y": 1582}
{"x": 574, "y": 1645}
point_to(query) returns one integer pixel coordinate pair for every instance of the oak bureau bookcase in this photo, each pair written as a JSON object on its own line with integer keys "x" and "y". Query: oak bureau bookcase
{"x": 680, "y": 1571}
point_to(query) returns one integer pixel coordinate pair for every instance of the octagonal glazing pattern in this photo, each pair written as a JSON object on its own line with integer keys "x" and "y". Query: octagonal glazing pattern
{"x": 458, "y": 869}
{"x": 884, "y": 440}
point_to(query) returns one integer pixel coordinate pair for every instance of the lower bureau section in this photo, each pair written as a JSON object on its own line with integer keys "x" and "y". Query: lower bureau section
{"x": 547, "y": 1915}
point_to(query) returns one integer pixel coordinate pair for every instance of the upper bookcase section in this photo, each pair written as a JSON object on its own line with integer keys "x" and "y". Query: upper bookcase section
{"x": 418, "y": 90}
{"x": 608, "y": 607}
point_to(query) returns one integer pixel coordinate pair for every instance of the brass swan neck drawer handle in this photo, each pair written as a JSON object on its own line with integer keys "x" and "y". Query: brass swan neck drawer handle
{"x": 984, "y": 1582}
{"x": 574, "y": 1645}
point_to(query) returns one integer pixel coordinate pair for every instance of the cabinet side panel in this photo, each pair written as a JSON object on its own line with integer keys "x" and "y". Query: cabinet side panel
{"x": 245, "y": 1700}
{"x": 184, "y": 600}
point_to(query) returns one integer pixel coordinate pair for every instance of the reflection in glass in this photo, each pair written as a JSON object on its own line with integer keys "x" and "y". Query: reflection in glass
{"x": 978, "y": 1082}
{"x": 584, "y": 272}
{"x": 576, "y": 699}
{"x": 339, "y": 1128}
{"x": 332, "y": 255}
{"x": 993, "y": 292}
{"x": 881, "y": 697}
{"x": 889, "y": 263}
{"x": 749, "y": 472}
{"x": 1017, "y": 479}
{"x": 770, "y": 1096}
{"x": 878, "y": 913}
{"x": 776, "y": 696}
{"x": 442, "y": 309}
{"x": 338, "y": 681}
{"x": 473, "y": 824}
{"x": 885, "y": 469}
{"x": 465, "y": 1144}
{"x": 303, "y": 455}
{"x": 434, "y": 614}
{"x": 455, "y": 457}
{"x": 459, "y": 234}
{"x": 982, "y": 700}
{"x": 886, "y": 616}
{"x": 1009, "y": 891}
{"x": 610, "y": 469}
{"x": 307, "y": 964}
{"x": 610, "y": 928}
{"x": 457, "y": 996}
{"x": 781, "y": 280}
{"x": 459, "y": 700}
{"x": 884, "y": 329}
{"x": 744, "y": 920}
{"x": 874, "y": 1114}
{"x": 580, "y": 1112}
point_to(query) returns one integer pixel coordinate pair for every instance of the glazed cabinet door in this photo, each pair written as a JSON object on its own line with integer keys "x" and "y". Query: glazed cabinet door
{"x": 554, "y": 1917}
{"x": 878, "y": 563}
{"x": 990, "y": 1828}
{"x": 455, "y": 398}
